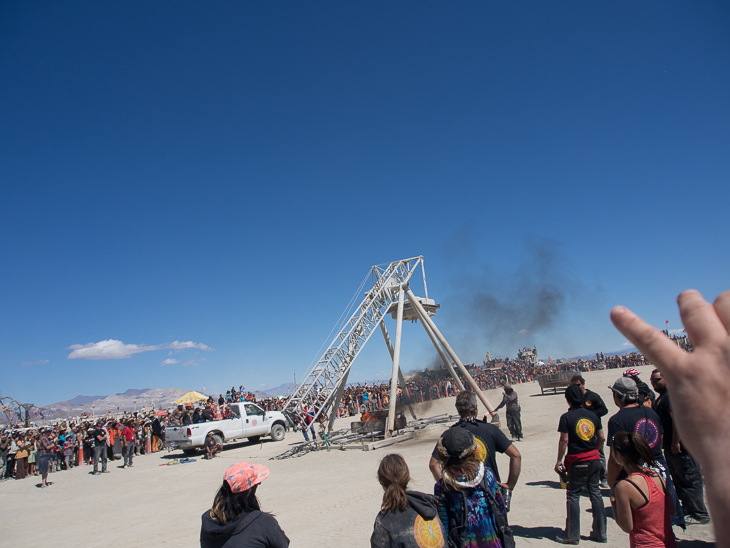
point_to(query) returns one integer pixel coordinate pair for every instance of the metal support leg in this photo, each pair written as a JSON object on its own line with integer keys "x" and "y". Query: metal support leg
{"x": 401, "y": 378}
{"x": 439, "y": 349}
{"x": 417, "y": 304}
{"x": 336, "y": 405}
{"x": 396, "y": 363}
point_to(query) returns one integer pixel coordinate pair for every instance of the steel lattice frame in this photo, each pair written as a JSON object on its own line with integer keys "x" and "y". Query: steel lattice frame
{"x": 320, "y": 387}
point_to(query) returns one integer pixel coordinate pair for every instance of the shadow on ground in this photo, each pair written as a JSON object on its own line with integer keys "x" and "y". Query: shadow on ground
{"x": 538, "y": 532}
{"x": 694, "y": 543}
{"x": 545, "y": 483}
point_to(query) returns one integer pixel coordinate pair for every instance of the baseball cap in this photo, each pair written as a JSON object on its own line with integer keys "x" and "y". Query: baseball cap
{"x": 455, "y": 442}
{"x": 244, "y": 475}
{"x": 625, "y": 386}
{"x": 574, "y": 395}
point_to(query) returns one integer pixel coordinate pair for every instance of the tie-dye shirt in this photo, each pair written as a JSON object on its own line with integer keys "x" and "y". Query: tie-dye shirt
{"x": 480, "y": 530}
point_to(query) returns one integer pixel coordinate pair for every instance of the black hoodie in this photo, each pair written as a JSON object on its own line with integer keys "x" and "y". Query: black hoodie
{"x": 399, "y": 529}
{"x": 251, "y": 530}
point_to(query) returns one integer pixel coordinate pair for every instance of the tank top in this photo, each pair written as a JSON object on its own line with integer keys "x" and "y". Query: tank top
{"x": 652, "y": 522}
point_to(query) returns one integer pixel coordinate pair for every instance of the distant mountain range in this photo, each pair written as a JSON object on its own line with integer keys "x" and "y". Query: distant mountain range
{"x": 124, "y": 401}
{"x": 625, "y": 352}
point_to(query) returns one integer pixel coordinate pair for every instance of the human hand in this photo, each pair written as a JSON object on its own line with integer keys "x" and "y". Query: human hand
{"x": 559, "y": 467}
{"x": 698, "y": 384}
{"x": 676, "y": 447}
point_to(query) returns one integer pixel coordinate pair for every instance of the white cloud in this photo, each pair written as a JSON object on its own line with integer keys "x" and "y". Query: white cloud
{"x": 627, "y": 343}
{"x": 109, "y": 349}
{"x": 39, "y": 362}
{"x": 177, "y": 345}
{"x": 193, "y": 362}
{"x": 169, "y": 361}
{"x": 523, "y": 332}
{"x": 112, "y": 349}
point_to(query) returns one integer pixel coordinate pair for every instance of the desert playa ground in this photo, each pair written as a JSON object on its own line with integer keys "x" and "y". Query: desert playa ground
{"x": 326, "y": 499}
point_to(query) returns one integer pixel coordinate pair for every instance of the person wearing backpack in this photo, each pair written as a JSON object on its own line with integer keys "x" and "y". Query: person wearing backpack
{"x": 470, "y": 503}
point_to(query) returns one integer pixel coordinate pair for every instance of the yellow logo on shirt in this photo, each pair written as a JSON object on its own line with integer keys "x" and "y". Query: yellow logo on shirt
{"x": 585, "y": 429}
{"x": 428, "y": 533}
{"x": 481, "y": 450}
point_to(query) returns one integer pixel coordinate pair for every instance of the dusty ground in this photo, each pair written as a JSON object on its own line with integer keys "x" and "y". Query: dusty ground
{"x": 320, "y": 499}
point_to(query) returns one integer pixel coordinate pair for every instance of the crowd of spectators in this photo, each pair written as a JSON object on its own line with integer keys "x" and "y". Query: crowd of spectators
{"x": 72, "y": 444}
{"x": 434, "y": 384}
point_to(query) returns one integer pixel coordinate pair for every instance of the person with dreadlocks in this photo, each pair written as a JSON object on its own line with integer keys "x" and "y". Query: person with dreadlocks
{"x": 407, "y": 519}
{"x": 236, "y": 519}
{"x": 470, "y": 502}
{"x": 489, "y": 438}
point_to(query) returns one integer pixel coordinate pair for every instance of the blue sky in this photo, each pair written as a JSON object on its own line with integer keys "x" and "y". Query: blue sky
{"x": 210, "y": 182}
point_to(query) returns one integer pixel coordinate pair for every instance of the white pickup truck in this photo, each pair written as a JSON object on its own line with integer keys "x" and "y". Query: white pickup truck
{"x": 247, "y": 420}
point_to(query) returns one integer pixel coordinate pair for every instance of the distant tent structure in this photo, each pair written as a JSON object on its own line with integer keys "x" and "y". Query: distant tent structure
{"x": 191, "y": 397}
{"x": 550, "y": 361}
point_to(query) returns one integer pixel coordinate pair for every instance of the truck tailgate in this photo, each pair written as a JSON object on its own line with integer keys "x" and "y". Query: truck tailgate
{"x": 176, "y": 433}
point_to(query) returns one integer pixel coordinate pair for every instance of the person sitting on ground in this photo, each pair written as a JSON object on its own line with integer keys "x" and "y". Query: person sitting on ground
{"x": 408, "y": 519}
{"x": 211, "y": 447}
{"x": 465, "y": 480}
{"x": 236, "y": 519}
{"x": 640, "y": 502}
{"x": 698, "y": 384}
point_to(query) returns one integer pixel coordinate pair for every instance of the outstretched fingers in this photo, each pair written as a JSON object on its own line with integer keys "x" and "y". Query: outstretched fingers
{"x": 656, "y": 346}
{"x": 700, "y": 319}
{"x": 722, "y": 308}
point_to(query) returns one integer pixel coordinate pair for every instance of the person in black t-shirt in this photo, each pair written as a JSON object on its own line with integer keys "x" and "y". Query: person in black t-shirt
{"x": 185, "y": 419}
{"x": 591, "y": 400}
{"x": 594, "y": 402}
{"x": 581, "y": 434}
{"x": 100, "y": 438}
{"x": 685, "y": 471}
{"x": 489, "y": 438}
{"x": 637, "y": 418}
{"x": 646, "y": 396}
{"x": 207, "y": 414}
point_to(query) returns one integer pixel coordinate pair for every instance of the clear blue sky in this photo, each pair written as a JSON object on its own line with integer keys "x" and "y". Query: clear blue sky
{"x": 224, "y": 174}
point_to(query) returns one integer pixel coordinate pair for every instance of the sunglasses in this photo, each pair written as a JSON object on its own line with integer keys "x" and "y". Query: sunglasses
{"x": 656, "y": 379}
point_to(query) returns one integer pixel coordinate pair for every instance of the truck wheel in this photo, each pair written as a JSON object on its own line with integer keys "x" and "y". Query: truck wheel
{"x": 218, "y": 440}
{"x": 254, "y": 439}
{"x": 190, "y": 452}
{"x": 277, "y": 432}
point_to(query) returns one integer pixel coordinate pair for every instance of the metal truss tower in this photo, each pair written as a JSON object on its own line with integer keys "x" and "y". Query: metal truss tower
{"x": 321, "y": 391}
{"x": 325, "y": 383}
